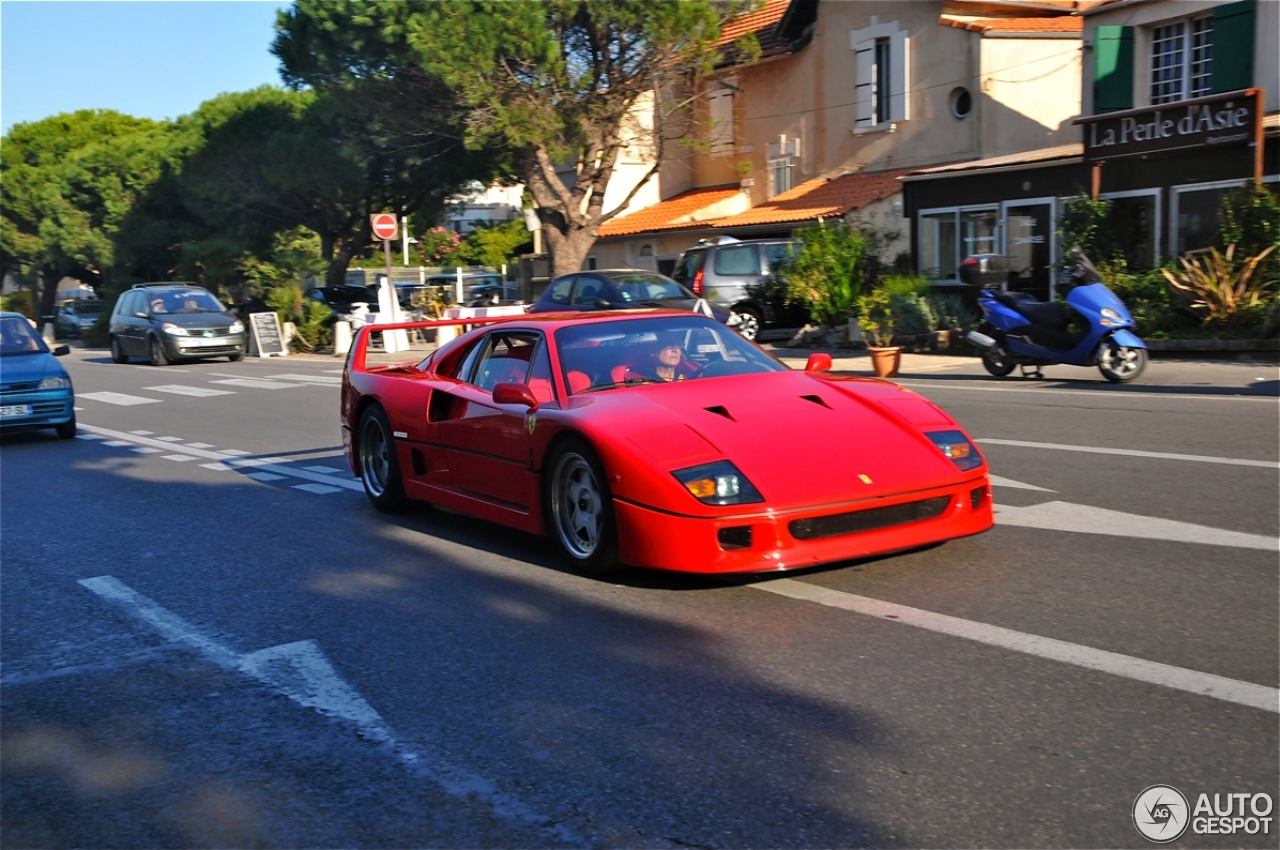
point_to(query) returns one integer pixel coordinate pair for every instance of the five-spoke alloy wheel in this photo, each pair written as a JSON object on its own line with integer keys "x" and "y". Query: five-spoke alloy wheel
{"x": 580, "y": 509}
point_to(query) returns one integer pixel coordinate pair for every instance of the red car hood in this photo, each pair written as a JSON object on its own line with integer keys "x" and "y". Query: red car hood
{"x": 799, "y": 439}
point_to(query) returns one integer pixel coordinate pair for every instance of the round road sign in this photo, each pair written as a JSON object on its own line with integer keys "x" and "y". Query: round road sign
{"x": 384, "y": 225}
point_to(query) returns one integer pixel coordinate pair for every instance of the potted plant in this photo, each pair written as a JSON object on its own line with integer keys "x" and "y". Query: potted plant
{"x": 877, "y": 322}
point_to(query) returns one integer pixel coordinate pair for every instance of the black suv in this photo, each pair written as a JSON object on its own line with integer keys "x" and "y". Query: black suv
{"x": 171, "y": 321}
{"x": 741, "y": 276}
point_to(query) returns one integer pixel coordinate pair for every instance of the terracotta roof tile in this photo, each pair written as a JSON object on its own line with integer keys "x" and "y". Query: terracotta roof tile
{"x": 824, "y": 197}
{"x": 1064, "y": 23}
{"x": 671, "y": 214}
{"x": 763, "y": 18}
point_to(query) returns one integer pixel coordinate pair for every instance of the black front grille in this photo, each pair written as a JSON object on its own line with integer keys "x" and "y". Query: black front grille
{"x": 19, "y": 387}
{"x": 45, "y": 408}
{"x": 868, "y": 520}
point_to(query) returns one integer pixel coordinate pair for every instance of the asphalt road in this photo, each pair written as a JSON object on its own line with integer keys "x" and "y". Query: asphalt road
{"x": 210, "y": 638}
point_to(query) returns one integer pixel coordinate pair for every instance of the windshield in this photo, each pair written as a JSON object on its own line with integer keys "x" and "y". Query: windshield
{"x": 184, "y": 301}
{"x": 608, "y": 355}
{"x": 649, "y": 287}
{"x": 18, "y": 337}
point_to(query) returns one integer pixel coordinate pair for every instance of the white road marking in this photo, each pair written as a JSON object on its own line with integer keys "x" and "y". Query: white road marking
{"x": 228, "y": 459}
{"x": 121, "y": 399}
{"x": 997, "y": 481}
{"x": 194, "y": 392}
{"x": 1086, "y": 519}
{"x": 146, "y": 450}
{"x": 1231, "y": 461}
{"x": 315, "y": 379}
{"x": 142, "y": 433}
{"x": 972, "y": 386}
{"x": 334, "y": 371}
{"x": 301, "y": 672}
{"x": 169, "y": 439}
{"x": 323, "y": 470}
{"x": 256, "y": 385}
{"x": 167, "y": 369}
{"x": 87, "y": 437}
{"x": 198, "y": 445}
{"x": 263, "y": 476}
{"x": 1152, "y": 672}
{"x": 180, "y": 458}
{"x": 319, "y": 489}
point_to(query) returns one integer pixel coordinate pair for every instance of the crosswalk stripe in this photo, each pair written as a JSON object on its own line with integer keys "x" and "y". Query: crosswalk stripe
{"x": 1086, "y": 519}
{"x": 120, "y": 399}
{"x": 1231, "y": 461}
{"x": 193, "y": 392}
{"x": 1127, "y": 666}
{"x": 255, "y": 384}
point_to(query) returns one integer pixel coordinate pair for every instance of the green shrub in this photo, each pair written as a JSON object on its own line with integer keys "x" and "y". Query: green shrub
{"x": 828, "y": 272}
{"x": 951, "y": 313}
{"x": 912, "y": 314}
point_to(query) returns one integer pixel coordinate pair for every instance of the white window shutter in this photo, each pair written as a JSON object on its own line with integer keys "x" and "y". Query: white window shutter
{"x": 865, "y": 57}
{"x": 721, "y": 111}
{"x": 900, "y": 77}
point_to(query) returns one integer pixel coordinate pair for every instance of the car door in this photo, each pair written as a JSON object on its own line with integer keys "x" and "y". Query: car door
{"x": 126, "y": 326}
{"x": 487, "y": 445}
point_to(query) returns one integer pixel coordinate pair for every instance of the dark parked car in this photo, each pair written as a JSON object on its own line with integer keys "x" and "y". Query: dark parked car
{"x": 75, "y": 317}
{"x": 741, "y": 276}
{"x": 618, "y": 289}
{"x": 172, "y": 321}
{"x": 340, "y": 298}
{"x": 491, "y": 295}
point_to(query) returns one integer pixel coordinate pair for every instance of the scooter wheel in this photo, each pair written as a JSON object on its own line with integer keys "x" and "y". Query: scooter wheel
{"x": 1119, "y": 364}
{"x": 997, "y": 362}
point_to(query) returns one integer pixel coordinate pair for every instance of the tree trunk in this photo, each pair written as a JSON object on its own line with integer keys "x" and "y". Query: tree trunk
{"x": 568, "y": 250}
{"x": 336, "y": 274}
{"x": 50, "y": 277}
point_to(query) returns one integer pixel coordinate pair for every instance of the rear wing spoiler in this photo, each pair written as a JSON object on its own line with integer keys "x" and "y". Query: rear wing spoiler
{"x": 416, "y": 351}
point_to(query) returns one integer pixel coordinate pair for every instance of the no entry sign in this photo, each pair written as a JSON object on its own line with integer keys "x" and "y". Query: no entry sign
{"x": 384, "y": 225}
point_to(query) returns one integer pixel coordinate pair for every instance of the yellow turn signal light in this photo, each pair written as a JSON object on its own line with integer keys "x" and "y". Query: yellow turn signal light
{"x": 701, "y": 488}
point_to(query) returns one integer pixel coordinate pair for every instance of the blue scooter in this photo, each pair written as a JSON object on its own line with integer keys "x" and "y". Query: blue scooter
{"x": 1023, "y": 332}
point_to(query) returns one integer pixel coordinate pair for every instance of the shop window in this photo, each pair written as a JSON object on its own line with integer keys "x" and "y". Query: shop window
{"x": 883, "y": 66}
{"x": 938, "y": 245}
{"x": 1182, "y": 60}
{"x": 1195, "y": 215}
{"x": 1134, "y": 224}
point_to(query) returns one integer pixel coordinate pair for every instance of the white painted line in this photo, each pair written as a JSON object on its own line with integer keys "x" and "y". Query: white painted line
{"x": 1086, "y": 519}
{"x": 87, "y": 437}
{"x": 146, "y": 450}
{"x": 229, "y": 458}
{"x": 319, "y": 489}
{"x": 198, "y": 445}
{"x": 169, "y": 439}
{"x": 194, "y": 392}
{"x": 301, "y": 672}
{"x": 142, "y": 433}
{"x": 167, "y": 369}
{"x": 1231, "y": 461}
{"x": 264, "y": 476}
{"x": 256, "y": 385}
{"x": 77, "y": 408}
{"x": 334, "y": 371}
{"x": 323, "y": 470}
{"x": 974, "y": 386}
{"x": 315, "y": 379}
{"x": 1151, "y": 672}
{"x": 997, "y": 481}
{"x": 121, "y": 399}
{"x": 180, "y": 458}
{"x": 115, "y": 443}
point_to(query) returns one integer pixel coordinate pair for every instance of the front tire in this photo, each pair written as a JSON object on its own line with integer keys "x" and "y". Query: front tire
{"x": 237, "y": 357}
{"x": 156, "y": 351}
{"x": 379, "y": 466}
{"x": 117, "y": 355}
{"x": 579, "y": 509}
{"x": 998, "y": 362}
{"x": 748, "y": 326}
{"x": 1120, "y": 364}
{"x": 67, "y": 430}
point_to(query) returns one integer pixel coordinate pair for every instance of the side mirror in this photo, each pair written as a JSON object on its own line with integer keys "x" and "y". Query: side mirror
{"x": 604, "y": 303}
{"x": 61, "y": 350}
{"x": 141, "y": 315}
{"x": 509, "y": 393}
{"x": 818, "y": 362}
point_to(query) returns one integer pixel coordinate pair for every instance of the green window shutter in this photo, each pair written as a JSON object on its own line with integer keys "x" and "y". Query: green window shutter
{"x": 1233, "y": 34}
{"x": 1112, "y": 69}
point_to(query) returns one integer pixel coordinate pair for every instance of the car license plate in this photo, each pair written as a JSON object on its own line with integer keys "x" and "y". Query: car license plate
{"x": 15, "y": 410}
{"x": 207, "y": 341}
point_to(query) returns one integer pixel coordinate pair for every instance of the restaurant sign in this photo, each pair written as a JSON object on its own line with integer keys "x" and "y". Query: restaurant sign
{"x": 1219, "y": 120}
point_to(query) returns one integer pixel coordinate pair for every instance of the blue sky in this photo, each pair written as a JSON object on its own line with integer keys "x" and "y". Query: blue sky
{"x": 154, "y": 59}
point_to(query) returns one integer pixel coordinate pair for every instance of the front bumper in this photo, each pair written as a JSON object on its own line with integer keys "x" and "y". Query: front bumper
{"x": 201, "y": 346}
{"x": 650, "y": 538}
{"x": 47, "y": 409}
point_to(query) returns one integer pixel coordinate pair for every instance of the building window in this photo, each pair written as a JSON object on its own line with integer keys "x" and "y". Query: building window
{"x": 1182, "y": 60}
{"x": 720, "y": 112}
{"x": 947, "y": 236}
{"x": 961, "y": 102}
{"x": 781, "y": 173}
{"x": 883, "y": 67}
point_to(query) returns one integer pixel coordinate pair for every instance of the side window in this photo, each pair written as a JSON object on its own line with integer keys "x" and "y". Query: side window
{"x": 129, "y": 304}
{"x": 560, "y": 290}
{"x": 588, "y": 291}
{"x": 777, "y": 253}
{"x": 689, "y": 266}
{"x": 738, "y": 260}
{"x": 540, "y": 376}
{"x": 505, "y": 358}
{"x": 459, "y": 364}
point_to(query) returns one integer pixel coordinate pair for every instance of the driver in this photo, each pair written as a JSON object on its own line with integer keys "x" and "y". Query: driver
{"x": 665, "y": 363}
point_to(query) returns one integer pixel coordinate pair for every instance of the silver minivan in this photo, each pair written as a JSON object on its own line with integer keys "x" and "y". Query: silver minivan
{"x": 741, "y": 276}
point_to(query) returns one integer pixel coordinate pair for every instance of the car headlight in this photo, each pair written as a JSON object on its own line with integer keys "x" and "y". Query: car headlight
{"x": 718, "y": 483}
{"x": 236, "y": 327}
{"x": 62, "y": 383}
{"x": 956, "y": 446}
{"x": 174, "y": 330}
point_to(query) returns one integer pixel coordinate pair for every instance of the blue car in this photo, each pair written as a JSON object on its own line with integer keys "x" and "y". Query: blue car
{"x": 35, "y": 391}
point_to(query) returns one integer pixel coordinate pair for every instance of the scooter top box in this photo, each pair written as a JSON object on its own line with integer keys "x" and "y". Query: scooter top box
{"x": 985, "y": 270}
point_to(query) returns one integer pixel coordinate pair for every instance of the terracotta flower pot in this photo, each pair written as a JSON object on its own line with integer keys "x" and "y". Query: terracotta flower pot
{"x": 885, "y": 360}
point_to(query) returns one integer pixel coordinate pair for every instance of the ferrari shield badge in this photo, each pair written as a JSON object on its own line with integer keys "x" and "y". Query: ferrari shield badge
{"x": 531, "y": 422}
{"x": 864, "y": 478}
